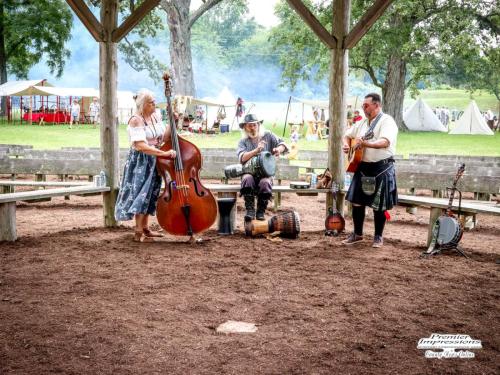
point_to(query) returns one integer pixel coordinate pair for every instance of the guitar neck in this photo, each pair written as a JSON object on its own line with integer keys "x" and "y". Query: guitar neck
{"x": 454, "y": 189}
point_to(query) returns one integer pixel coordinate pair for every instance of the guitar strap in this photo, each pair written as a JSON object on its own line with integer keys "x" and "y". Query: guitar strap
{"x": 374, "y": 123}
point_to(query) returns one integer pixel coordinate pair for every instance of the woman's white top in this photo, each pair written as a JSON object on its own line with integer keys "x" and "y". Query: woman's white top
{"x": 75, "y": 109}
{"x": 151, "y": 133}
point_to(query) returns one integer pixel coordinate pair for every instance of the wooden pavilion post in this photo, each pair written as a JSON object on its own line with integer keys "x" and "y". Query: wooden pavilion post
{"x": 108, "y": 34}
{"x": 108, "y": 69}
{"x": 339, "y": 70}
{"x": 339, "y": 42}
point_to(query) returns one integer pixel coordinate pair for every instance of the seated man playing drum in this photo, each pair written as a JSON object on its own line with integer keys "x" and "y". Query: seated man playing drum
{"x": 255, "y": 140}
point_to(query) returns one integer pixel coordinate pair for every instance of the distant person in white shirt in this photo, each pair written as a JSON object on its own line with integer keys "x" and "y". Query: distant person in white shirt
{"x": 488, "y": 116}
{"x": 74, "y": 113}
{"x": 94, "y": 108}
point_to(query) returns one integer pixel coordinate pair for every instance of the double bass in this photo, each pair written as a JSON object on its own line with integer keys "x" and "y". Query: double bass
{"x": 185, "y": 207}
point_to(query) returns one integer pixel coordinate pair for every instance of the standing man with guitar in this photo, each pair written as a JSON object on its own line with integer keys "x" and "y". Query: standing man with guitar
{"x": 374, "y": 180}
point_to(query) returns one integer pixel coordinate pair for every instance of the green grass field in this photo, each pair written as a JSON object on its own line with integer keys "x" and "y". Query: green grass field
{"x": 57, "y": 136}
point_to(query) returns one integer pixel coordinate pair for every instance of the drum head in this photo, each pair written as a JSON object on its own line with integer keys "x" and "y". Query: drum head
{"x": 449, "y": 229}
{"x": 267, "y": 164}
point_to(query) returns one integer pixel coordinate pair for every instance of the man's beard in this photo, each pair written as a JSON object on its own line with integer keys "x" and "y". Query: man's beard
{"x": 253, "y": 133}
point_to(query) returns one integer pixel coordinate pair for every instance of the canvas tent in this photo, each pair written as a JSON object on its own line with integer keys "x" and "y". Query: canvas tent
{"x": 471, "y": 122}
{"x": 126, "y": 103}
{"x": 21, "y": 88}
{"x": 419, "y": 117}
{"x": 298, "y": 114}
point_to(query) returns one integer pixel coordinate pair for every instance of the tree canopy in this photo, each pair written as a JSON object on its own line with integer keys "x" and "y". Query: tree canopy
{"x": 31, "y": 30}
{"x": 404, "y": 47}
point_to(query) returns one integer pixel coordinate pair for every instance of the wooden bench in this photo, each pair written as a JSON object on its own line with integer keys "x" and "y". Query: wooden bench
{"x": 438, "y": 205}
{"x": 8, "y": 204}
{"x": 9, "y": 186}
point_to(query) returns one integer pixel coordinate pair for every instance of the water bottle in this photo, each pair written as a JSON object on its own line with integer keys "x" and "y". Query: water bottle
{"x": 314, "y": 179}
{"x": 103, "y": 178}
{"x": 347, "y": 180}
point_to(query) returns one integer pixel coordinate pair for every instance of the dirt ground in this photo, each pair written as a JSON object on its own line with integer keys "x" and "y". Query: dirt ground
{"x": 76, "y": 298}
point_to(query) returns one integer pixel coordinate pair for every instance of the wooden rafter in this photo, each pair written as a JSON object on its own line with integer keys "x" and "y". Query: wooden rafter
{"x": 88, "y": 19}
{"x": 139, "y": 13}
{"x": 366, "y": 22}
{"x": 313, "y": 23}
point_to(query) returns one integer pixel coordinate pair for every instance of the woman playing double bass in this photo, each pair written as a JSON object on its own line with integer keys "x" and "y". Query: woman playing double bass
{"x": 141, "y": 183}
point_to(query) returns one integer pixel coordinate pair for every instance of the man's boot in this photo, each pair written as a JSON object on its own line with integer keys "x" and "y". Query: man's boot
{"x": 262, "y": 200}
{"x": 249, "y": 206}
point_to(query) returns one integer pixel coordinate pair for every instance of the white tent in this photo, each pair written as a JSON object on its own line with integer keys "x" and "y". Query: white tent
{"x": 353, "y": 101}
{"x": 21, "y": 88}
{"x": 471, "y": 122}
{"x": 419, "y": 117}
{"x": 226, "y": 97}
{"x": 126, "y": 106}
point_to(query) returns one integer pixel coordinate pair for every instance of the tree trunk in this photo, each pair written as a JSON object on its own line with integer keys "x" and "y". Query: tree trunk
{"x": 3, "y": 61}
{"x": 180, "y": 47}
{"x": 393, "y": 91}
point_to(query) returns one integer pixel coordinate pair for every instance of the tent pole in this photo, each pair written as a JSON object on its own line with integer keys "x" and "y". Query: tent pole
{"x": 31, "y": 110}
{"x": 9, "y": 108}
{"x": 286, "y": 116}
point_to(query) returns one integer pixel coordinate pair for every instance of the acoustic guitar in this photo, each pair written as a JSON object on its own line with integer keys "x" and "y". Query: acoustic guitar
{"x": 355, "y": 154}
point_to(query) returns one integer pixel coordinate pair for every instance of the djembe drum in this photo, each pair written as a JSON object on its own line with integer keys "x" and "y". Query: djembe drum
{"x": 262, "y": 165}
{"x": 286, "y": 223}
{"x": 226, "y": 215}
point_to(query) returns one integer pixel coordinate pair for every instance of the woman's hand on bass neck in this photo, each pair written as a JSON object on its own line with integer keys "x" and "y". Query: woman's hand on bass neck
{"x": 170, "y": 154}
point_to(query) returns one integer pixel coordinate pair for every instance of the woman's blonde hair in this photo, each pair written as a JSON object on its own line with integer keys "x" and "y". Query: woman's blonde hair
{"x": 141, "y": 98}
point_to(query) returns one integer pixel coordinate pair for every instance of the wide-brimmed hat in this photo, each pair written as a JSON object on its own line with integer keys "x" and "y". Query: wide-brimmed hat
{"x": 249, "y": 119}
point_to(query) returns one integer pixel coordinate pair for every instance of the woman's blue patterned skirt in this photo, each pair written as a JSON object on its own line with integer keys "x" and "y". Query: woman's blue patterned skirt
{"x": 140, "y": 186}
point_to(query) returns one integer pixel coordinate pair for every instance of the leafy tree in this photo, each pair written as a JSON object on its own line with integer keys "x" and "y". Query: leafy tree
{"x": 475, "y": 62}
{"x": 30, "y": 30}
{"x": 180, "y": 23}
{"x": 135, "y": 46}
{"x": 223, "y": 32}
{"x": 399, "y": 51}
{"x": 213, "y": 34}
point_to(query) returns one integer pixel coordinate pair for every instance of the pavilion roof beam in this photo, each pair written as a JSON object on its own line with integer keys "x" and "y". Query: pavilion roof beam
{"x": 88, "y": 19}
{"x": 313, "y": 23}
{"x": 139, "y": 13}
{"x": 366, "y": 22}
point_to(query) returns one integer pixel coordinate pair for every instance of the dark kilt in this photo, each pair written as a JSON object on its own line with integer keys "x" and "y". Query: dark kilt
{"x": 386, "y": 193}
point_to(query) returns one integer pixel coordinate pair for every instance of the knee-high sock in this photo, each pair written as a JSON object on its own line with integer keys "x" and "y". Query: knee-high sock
{"x": 358, "y": 217}
{"x": 379, "y": 219}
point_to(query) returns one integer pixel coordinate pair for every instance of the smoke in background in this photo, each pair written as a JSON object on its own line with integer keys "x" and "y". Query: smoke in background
{"x": 253, "y": 82}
